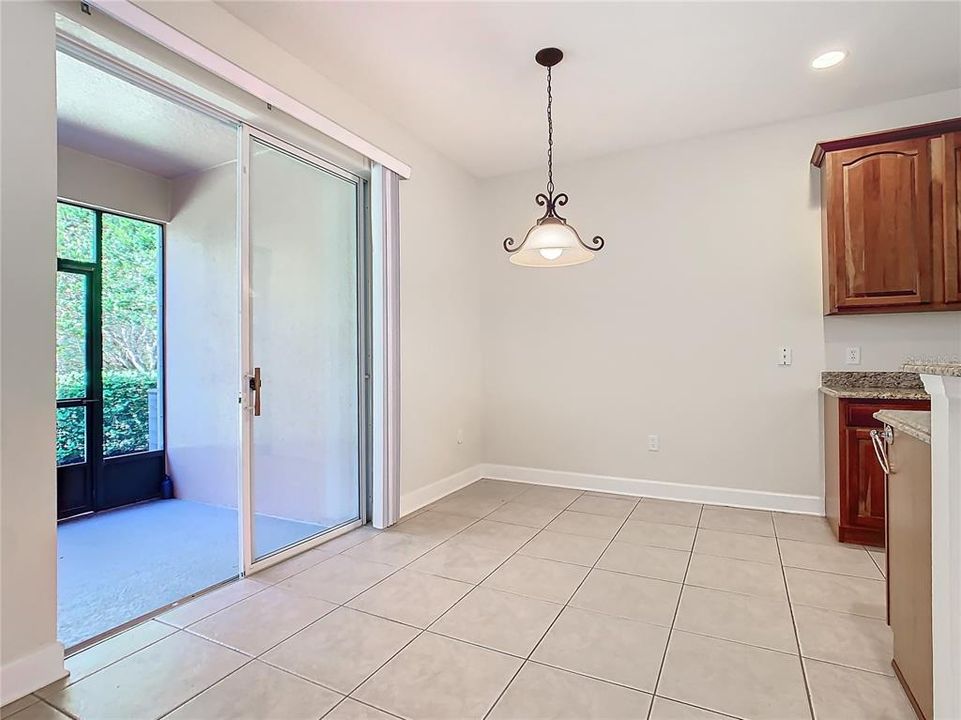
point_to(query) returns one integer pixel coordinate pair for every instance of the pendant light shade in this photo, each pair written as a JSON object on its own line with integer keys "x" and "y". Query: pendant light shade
{"x": 551, "y": 242}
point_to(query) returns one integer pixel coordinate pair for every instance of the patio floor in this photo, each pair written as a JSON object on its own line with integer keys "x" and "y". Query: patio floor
{"x": 118, "y": 565}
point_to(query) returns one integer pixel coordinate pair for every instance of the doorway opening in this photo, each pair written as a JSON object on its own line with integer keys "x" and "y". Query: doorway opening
{"x": 197, "y": 252}
{"x": 147, "y": 333}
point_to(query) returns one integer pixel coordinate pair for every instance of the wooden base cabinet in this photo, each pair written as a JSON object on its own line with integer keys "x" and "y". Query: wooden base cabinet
{"x": 909, "y": 568}
{"x": 854, "y": 481}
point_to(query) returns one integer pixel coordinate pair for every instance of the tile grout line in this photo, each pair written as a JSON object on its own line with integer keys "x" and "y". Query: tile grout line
{"x": 524, "y": 661}
{"x": 345, "y": 698}
{"x": 156, "y": 618}
{"x": 670, "y": 633}
{"x": 853, "y": 668}
{"x": 424, "y": 630}
{"x": 593, "y": 567}
{"x": 797, "y": 636}
{"x": 337, "y": 606}
{"x": 112, "y": 662}
{"x": 343, "y": 605}
{"x": 427, "y": 629}
{"x": 201, "y": 692}
{"x": 831, "y": 572}
{"x": 256, "y": 658}
{"x": 44, "y": 701}
{"x": 266, "y": 586}
{"x": 176, "y": 631}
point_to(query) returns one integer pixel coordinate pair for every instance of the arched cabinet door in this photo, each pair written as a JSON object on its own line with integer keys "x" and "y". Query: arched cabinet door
{"x": 878, "y": 226}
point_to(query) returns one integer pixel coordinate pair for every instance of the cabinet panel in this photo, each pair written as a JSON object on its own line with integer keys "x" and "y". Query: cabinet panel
{"x": 865, "y": 481}
{"x": 879, "y": 225}
{"x": 909, "y": 569}
{"x": 952, "y": 218}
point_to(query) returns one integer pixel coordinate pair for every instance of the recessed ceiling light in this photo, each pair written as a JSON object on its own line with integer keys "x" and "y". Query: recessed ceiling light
{"x": 828, "y": 59}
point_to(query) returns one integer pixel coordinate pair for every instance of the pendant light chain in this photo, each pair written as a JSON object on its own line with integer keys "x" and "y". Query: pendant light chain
{"x": 550, "y": 138}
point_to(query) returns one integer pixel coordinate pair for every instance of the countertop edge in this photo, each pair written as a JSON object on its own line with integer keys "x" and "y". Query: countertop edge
{"x": 876, "y": 393}
{"x": 916, "y": 423}
{"x": 946, "y": 369}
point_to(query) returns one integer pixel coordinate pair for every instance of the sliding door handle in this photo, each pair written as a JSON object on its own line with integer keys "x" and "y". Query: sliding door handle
{"x": 255, "y": 384}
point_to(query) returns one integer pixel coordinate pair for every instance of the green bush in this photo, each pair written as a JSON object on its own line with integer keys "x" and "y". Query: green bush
{"x": 125, "y": 415}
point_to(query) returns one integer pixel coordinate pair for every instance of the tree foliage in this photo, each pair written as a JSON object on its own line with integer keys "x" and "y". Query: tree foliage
{"x": 130, "y": 307}
{"x": 126, "y": 416}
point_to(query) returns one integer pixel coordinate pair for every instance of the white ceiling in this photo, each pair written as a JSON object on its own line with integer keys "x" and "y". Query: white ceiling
{"x": 461, "y": 75}
{"x": 100, "y": 114}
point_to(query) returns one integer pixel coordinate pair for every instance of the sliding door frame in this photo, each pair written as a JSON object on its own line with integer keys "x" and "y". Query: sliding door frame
{"x": 370, "y": 428}
{"x": 250, "y": 563}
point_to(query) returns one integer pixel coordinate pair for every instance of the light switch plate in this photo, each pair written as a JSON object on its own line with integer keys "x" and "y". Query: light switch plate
{"x": 853, "y": 356}
{"x": 784, "y": 356}
{"x": 653, "y": 443}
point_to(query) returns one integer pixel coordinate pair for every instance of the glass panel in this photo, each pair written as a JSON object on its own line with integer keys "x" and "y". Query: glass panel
{"x": 304, "y": 337}
{"x": 71, "y": 435}
{"x": 131, "y": 333}
{"x": 76, "y": 233}
{"x": 71, "y": 335}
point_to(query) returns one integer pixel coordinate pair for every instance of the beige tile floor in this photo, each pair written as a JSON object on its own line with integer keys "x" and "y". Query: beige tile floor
{"x": 511, "y": 601}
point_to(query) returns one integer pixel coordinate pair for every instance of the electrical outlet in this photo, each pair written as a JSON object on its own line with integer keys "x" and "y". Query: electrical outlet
{"x": 653, "y": 443}
{"x": 853, "y": 356}
{"x": 784, "y": 356}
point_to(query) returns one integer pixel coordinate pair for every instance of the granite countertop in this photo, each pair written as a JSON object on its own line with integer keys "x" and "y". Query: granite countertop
{"x": 951, "y": 369}
{"x": 873, "y": 385}
{"x": 916, "y": 423}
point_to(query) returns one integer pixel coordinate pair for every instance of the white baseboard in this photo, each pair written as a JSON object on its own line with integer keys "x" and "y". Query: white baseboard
{"x": 707, "y": 494}
{"x": 32, "y": 672}
{"x": 416, "y": 499}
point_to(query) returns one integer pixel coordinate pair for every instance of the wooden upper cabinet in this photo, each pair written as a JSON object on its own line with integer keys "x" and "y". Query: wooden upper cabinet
{"x": 879, "y": 225}
{"x": 889, "y": 244}
{"x": 951, "y": 255}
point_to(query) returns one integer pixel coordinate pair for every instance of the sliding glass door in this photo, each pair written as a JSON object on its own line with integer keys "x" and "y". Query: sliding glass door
{"x": 304, "y": 300}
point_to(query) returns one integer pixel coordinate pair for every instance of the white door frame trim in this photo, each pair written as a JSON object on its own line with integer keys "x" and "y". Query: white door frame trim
{"x": 146, "y": 24}
{"x": 385, "y": 347}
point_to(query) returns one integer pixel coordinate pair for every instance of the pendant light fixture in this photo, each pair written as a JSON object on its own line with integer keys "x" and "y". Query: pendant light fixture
{"x": 551, "y": 242}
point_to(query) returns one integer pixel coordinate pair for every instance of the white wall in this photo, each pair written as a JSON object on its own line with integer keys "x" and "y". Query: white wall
{"x": 887, "y": 340}
{"x": 712, "y": 262}
{"x": 30, "y": 655}
{"x": 93, "y": 180}
{"x": 202, "y": 337}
